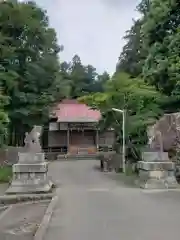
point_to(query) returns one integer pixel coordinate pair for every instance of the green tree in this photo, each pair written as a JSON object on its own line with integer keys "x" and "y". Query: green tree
{"x": 4, "y": 120}
{"x": 100, "y": 82}
{"x": 142, "y": 104}
{"x": 29, "y": 62}
{"x": 65, "y": 70}
{"x": 152, "y": 57}
{"x": 90, "y": 78}
{"x": 144, "y": 7}
{"x": 83, "y": 79}
{"x": 161, "y": 35}
{"x": 134, "y": 52}
{"x": 130, "y": 59}
{"x": 77, "y": 77}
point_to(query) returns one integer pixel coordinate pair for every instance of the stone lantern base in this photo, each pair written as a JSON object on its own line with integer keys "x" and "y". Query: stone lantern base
{"x": 30, "y": 175}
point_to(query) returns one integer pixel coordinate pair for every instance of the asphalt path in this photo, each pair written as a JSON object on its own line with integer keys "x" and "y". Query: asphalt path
{"x": 93, "y": 205}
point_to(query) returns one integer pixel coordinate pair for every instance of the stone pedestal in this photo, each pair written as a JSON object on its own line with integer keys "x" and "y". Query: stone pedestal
{"x": 156, "y": 171}
{"x": 30, "y": 174}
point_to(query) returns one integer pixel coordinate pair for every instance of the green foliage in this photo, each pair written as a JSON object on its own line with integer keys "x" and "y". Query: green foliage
{"x": 99, "y": 84}
{"x": 81, "y": 79}
{"x": 142, "y": 104}
{"x": 4, "y": 120}
{"x": 5, "y": 174}
{"x": 31, "y": 77}
{"x": 152, "y": 51}
{"x": 29, "y": 64}
{"x": 144, "y": 7}
{"x": 134, "y": 52}
{"x": 146, "y": 82}
{"x": 95, "y": 100}
{"x": 162, "y": 37}
{"x": 130, "y": 59}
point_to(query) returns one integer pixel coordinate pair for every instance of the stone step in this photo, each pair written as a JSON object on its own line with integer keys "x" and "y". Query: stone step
{"x": 77, "y": 157}
{"x": 82, "y": 149}
{"x": 28, "y": 186}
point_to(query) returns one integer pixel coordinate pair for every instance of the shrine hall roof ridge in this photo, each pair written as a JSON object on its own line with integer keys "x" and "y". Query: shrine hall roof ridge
{"x": 72, "y": 111}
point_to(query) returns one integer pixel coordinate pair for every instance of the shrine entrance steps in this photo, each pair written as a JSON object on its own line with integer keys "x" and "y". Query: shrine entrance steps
{"x": 83, "y": 152}
{"x": 72, "y": 157}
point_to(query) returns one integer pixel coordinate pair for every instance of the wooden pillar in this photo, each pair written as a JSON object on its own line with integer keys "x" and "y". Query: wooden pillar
{"x": 68, "y": 139}
{"x": 97, "y": 139}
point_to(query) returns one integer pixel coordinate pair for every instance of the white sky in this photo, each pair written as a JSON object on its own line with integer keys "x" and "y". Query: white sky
{"x": 93, "y": 29}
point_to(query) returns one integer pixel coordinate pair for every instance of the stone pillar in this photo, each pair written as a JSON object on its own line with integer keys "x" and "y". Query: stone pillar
{"x": 156, "y": 171}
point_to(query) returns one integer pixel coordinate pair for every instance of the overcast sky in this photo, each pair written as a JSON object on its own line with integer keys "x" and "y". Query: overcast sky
{"x": 93, "y": 29}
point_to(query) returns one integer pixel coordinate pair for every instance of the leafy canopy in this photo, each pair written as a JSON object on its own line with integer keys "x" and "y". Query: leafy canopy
{"x": 140, "y": 101}
{"x": 29, "y": 62}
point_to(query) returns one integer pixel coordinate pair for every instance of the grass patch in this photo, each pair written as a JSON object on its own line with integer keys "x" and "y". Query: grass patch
{"x": 127, "y": 180}
{"x": 5, "y": 174}
{"x": 129, "y": 177}
{"x": 129, "y": 171}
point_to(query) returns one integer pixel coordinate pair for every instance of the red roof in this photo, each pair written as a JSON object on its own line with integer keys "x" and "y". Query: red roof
{"x": 72, "y": 111}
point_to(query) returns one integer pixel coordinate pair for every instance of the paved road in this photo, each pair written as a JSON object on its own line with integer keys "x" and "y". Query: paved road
{"x": 94, "y": 206}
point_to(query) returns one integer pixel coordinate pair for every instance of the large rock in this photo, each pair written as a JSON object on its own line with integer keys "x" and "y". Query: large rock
{"x": 165, "y": 133}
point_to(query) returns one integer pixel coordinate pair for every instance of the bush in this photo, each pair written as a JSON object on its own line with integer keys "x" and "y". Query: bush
{"x": 5, "y": 174}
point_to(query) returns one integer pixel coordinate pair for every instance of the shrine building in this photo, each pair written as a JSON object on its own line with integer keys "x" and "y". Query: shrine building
{"x": 73, "y": 129}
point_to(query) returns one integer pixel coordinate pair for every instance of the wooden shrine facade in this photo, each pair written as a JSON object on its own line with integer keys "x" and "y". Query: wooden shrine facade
{"x": 72, "y": 137}
{"x": 74, "y": 128}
